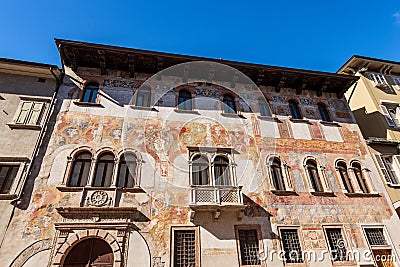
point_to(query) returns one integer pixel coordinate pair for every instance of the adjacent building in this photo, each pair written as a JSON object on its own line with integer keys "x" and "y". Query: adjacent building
{"x": 375, "y": 102}
{"x": 159, "y": 159}
{"x": 26, "y": 93}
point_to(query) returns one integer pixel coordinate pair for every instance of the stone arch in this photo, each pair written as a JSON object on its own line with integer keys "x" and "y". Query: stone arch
{"x": 106, "y": 150}
{"x": 30, "y": 251}
{"x": 75, "y": 238}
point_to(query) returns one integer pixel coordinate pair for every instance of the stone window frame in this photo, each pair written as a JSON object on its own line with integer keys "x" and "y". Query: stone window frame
{"x": 196, "y": 229}
{"x": 322, "y": 107}
{"x": 346, "y": 242}
{"x": 82, "y": 90}
{"x": 285, "y": 171}
{"x": 135, "y": 98}
{"x": 323, "y": 179}
{"x": 190, "y": 90}
{"x": 20, "y": 177}
{"x": 95, "y": 155}
{"x": 339, "y": 177}
{"x": 256, "y": 227}
{"x": 298, "y": 107}
{"x": 366, "y": 174}
{"x": 389, "y": 244}
{"x": 301, "y": 243}
{"x": 211, "y": 172}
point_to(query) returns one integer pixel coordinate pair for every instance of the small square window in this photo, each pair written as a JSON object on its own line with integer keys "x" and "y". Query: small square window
{"x": 375, "y": 236}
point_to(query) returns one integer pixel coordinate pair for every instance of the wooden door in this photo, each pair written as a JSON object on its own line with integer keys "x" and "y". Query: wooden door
{"x": 91, "y": 252}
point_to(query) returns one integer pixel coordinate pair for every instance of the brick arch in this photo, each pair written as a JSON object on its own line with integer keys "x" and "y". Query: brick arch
{"x": 81, "y": 235}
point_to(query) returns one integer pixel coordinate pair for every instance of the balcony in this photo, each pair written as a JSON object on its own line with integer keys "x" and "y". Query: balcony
{"x": 216, "y": 199}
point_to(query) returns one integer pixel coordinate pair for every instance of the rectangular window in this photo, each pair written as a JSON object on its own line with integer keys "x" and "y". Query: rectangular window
{"x": 381, "y": 250}
{"x": 185, "y": 247}
{"x": 249, "y": 246}
{"x": 396, "y": 80}
{"x": 29, "y": 112}
{"x": 291, "y": 246}
{"x": 388, "y": 165}
{"x": 337, "y": 244}
{"x": 377, "y": 79}
{"x": 7, "y": 177}
{"x": 375, "y": 236}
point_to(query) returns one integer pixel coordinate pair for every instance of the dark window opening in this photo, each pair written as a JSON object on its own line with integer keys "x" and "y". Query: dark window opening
{"x": 80, "y": 169}
{"x": 294, "y": 110}
{"x": 323, "y": 112}
{"x": 229, "y": 104}
{"x": 104, "y": 170}
{"x": 90, "y": 93}
{"x": 249, "y": 247}
{"x": 184, "y": 100}
{"x": 127, "y": 171}
{"x": 200, "y": 170}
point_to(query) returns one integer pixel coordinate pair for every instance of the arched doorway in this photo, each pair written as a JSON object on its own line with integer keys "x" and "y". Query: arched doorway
{"x": 92, "y": 252}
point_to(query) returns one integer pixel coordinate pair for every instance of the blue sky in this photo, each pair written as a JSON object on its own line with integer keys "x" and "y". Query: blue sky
{"x": 314, "y": 34}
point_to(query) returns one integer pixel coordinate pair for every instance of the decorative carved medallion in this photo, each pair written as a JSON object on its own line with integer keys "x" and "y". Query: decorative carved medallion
{"x": 99, "y": 198}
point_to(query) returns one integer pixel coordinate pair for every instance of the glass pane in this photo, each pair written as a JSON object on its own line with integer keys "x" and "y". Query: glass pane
{"x": 122, "y": 174}
{"x": 264, "y": 108}
{"x": 108, "y": 175}
{"x": 221, "y": 171}
{"x": 85, "y": 173}
{"x": 98, "y": 180}
{"x": 73, "y": 181}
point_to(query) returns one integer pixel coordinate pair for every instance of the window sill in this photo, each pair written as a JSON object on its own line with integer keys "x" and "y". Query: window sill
{"x": 344, "y": 263}
{"x": 88, "y": 104}
{"x": 143, "y": 108}
{"x": 65, "y": 188}
{"x": 299, "y": 120}
{"x": 284, "y": 193}
{"x": 233, "y": 115}
{"x": 7, "y": 196}
{"x": 186, "y": 111}
{"x": 268, "y": 118}
{"x": 324, "y": 194}
{"x": 24, "y": 126}
{"x": 362, "y": 194}
{"x": 393, "y": 185}
{"x": 330, "y": 123}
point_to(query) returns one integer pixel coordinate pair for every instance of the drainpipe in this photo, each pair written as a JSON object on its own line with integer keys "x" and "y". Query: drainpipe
{"x": 59, "y": 81}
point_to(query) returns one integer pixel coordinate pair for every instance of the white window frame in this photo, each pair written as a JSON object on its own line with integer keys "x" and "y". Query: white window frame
{"x": 16, "y": 185}
{"x": 377, "y": 79}
{"x": 284, "y": 171}
{"x": 321, "y": 175}
{"x": 392, "y": 121}
{"x": 387, "y": 173}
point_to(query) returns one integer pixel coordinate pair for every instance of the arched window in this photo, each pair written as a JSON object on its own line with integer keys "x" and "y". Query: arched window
{"x": 342, "y": 169}
{"x": 200, "y": 170}
{"x": 104, "y": 170}
{"x": 143, "y": 97}
{"x": 221, "y": 171}
{"x": 80, "y": 169}
{"x": 127, "y": 171}
{"x": 276, "y": 174}
{"x": 313, "y": 175}
{"x": 264, "y": 108}
{"x": 323, "y": 112}
{"x": 294, "y": 110}
{"x": 360, "y": 177}
{"x": 90, "y": 93}
{"x": 184, "y": 100}
{"x": 229, "y": 104}
{"x": 90, "y": 252}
